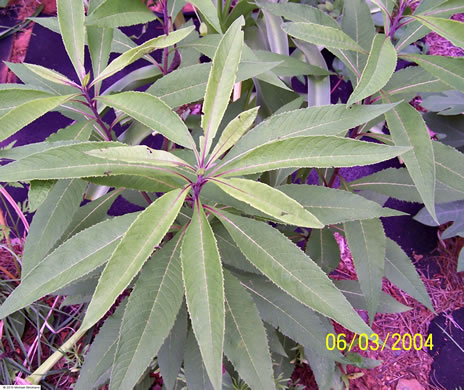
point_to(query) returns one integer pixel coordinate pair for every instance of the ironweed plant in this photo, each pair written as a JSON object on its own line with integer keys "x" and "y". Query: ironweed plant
{"x": 212, "y": 261}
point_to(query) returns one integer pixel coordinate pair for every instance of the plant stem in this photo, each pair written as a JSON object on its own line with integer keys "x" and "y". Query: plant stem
{"x": 166, "y": 31}
{"x": 48, "y": 364}
{"x": 93, "y": 107}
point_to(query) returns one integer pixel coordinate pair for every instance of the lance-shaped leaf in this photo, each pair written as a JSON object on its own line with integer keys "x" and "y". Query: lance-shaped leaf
{"x": 194, "y": 367}
{"x": 171, "y": 353}
{"x": 221, "y": 80}
{"x": 453, "y": 30}
{"x": 352, "y": 291}
{"x": 152, "y": 112}
{"x": 332, "y": 206}
{"x": 71, "y": 161}
{"x": 397, "y": 183}
{"x": 204, "y": 291}
{"x": 233, "y": 132}
{"x": 118, "y": 13}
{"x": 245, "y": 343}
{"x": 408, "y": 129}
{"x": 48, "y": 74}
{"x": 323, "y": 249}
{"x": 26, "y": 150}
{"x": 290, "y": 269}
{"x": 380, "y": 66}
{"x": 135, "y": 53}
{"x": 27, "y": 112}
{"x": 150, "y": 314}
{"x": 208, "y": 10}
{"x": 75, "y": 258}
{"x": 400, "y": 271}
{"x": 293, "y": 319}
{"x": 98, "y": 361}
{"x": 335, "y": 119}
{"x": 11, "y": 98}
{"x": 319, "y": 34}
{"x": 449, "y": 70}
{"x": 313, "y": 151}
{"x": 53, "y": 217}
{"x": 449, "y": 164}
{"x": 133, "y": 250}
{"x": 90, "y": 214}
{"x": 38, "y": 192}
{"x": 414, "y": 79}
{"x": 269, "y": 200}
{"x": 358, "y": 24}
{"x": 140, "y": 154}
{"x": 78, "y": 131}
{"x": 366, "y": 240}
{"x": 143, "y": 182}
{"x": 99, "y": 43}
{"x": 415, "y": 30}
{"x": 71, "y": 16}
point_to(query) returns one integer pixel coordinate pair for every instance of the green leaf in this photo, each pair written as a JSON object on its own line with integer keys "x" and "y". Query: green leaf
{"x": 233, "y": 132}
{"x": 412, "y": 80}
{"x": 290, "y": 66}
{"x": 38, "y": 191}
{"x": 290, "y": 269}
{"x": 230, "y": 254}
{"x": 71, "y": 16}
{"x": 397, "y": 183}
{"x": 312, "y": 151}
{"x": 135, "y": 53}
{"x": 13, "y": 97}
{"x": 140, "y": 154}
{"x": 27, "y": 112}
{"x": 152, "y": 112}
{"x": 352, "y": 291}
{"x": 400, "y": 271}
{"x": 204, "y": 291}
{"x": 136, "y": 245}
{"x": 49, "y": 74}
{"x": 380, "y": 66}
{"x": 71, "y": 161}
{"x": 17, "y": 153}
{"x": 150, "y": 314}
{"x": 453, "y": 30}
{"x": 446, "y": 212}
{"x": 144, "y": 182}
{"x": 98, "y": 361}
{"x": 408, "y": 129}
{"x": 269, "y": 200}
{"x": 332, "y": 206}
{"x": 323, "y": 249}
{"x": 118, "y": 13}
{"x": 79, "y": 131}
{"x": 52, "y": 218}
{"x": 449, "y": 164}
{"x": 358, "y": 24}
{"x": 333, "y": 119}
{"x": 208, "y": 10}
{"x": 245, "y": 342}
{"x": 171, "y": 353}
{"x": 194, "y": 367}
{"x": 221, "y": 81}
{"x": 99, "y": 42}
{"x": 292, "y": 318}
{"x": 90, "y": 214}
{"x": 415, "y": 30}
{"x": 366, "y": 240}
{"x": 322, "y": 35}
{"x": 449, "y": 70}
{"x": 77, "y": 257}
